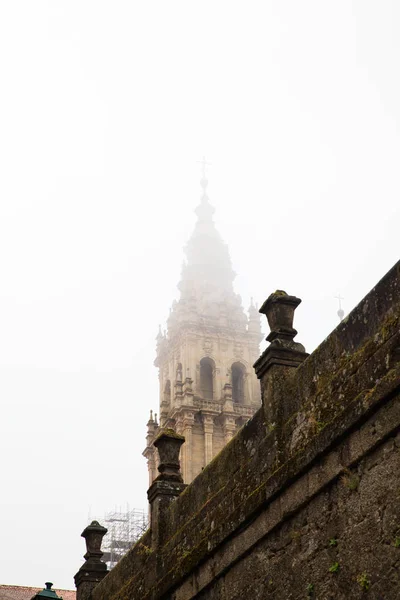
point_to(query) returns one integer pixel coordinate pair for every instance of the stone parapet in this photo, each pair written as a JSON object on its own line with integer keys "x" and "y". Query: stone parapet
{"x": 313, "y": 495}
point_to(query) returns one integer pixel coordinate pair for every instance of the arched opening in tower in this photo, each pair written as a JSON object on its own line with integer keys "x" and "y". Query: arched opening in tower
{"x": 207, "y": 378}
{"x": 238, "y": 372}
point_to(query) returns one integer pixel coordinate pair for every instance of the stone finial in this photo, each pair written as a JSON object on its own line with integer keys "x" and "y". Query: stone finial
{"x": 279, "y": 309}
{"x": 151, "y": 429}
{"x": 167, "y": 486}
{"x": 253, "y": 310}
{"x": 254, "y": 324}
{"x": 93, "y": 535}
{"x": 94, "y": 569}
{"x": 168, "y": 444}
{"x": 281, "y": 357}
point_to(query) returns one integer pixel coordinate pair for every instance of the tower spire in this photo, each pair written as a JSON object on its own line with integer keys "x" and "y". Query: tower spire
{"x": 208, "y": 261}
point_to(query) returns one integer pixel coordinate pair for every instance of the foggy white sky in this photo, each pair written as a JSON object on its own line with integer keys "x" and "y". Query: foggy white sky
{"x": 105, "y": 107}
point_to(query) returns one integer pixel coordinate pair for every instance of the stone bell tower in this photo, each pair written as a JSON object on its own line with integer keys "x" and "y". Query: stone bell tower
{"x": 208, "y": 387}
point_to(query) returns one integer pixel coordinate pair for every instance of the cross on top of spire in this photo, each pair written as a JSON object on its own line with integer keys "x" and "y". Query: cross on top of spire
{"x": 204, "y": 211}
{"x": 204, "y": 182}
{"x": 340, "y": 312}
{"x": 204, "y": 164}
{"x": 340, "y": 298}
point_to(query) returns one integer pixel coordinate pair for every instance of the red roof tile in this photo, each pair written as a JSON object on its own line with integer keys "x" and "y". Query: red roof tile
{"x": 19, "y": 592}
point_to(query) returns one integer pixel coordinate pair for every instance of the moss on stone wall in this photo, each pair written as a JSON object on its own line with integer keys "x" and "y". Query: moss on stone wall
{"x": 269, "y": 475}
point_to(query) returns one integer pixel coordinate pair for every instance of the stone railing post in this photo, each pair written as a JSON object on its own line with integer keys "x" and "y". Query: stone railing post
{"x": 94, "y": 569}
{"x": 167, "y": 486}
{"x": 278, "y": 361}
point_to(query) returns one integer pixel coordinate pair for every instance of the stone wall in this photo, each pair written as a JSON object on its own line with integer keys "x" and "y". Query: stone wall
{"x": 304, "y": 502}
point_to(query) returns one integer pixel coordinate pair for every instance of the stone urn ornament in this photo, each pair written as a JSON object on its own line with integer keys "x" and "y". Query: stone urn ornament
{"x": 279, "y": 309}
{"x": 168, "y": 444}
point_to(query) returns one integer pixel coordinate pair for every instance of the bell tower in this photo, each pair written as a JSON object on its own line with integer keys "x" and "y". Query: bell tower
{"x": 208, "y": 387}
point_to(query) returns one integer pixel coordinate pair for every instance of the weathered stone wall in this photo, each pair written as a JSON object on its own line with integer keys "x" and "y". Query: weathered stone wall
{"x": 305, "y": 501}
{"x": 339, "y": 544}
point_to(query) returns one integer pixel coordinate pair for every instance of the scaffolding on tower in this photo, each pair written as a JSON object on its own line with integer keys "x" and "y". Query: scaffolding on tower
{"x": 124, "y": 529}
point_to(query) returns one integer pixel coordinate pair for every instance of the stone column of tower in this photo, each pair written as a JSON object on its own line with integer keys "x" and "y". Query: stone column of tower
{"x": 208, "y": 387}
